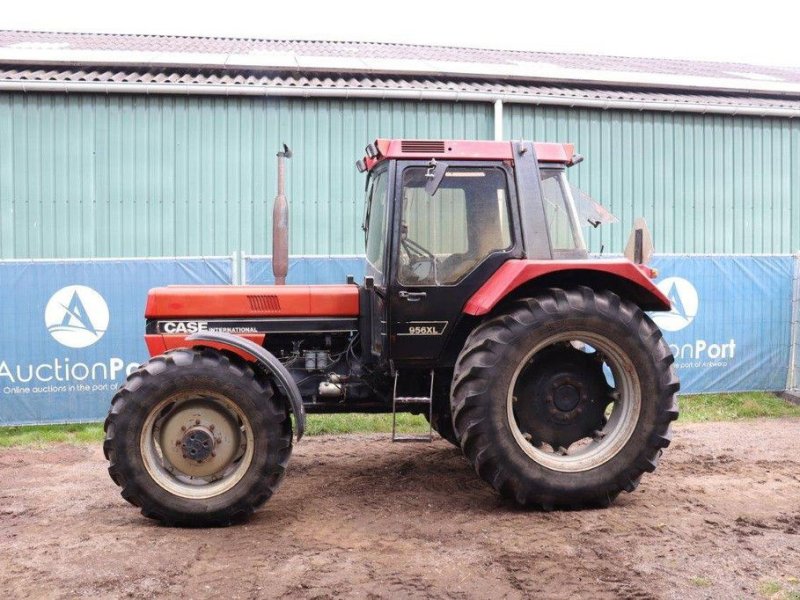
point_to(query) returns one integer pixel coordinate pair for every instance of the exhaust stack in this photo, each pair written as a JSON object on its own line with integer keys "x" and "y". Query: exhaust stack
{"x": 280, "y": 223}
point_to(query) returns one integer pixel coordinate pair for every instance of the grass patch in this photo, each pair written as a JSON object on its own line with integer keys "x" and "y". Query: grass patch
{"x": 40, "y": 435}
{"x": 703, "y": 408}
{"x": 701, "y": 582}
{"x": 734, "y": 407}
{"x": 90, "y": 433}
{"x": 776, "y": 590}
{"x": 364, "y": 423}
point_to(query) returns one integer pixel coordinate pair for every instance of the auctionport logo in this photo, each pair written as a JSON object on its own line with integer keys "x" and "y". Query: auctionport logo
{"x": 76, "y": 316}
{"x": 685, "y": 302}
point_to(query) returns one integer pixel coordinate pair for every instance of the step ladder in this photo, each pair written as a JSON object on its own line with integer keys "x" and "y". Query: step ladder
{"x": 405, "y": 400}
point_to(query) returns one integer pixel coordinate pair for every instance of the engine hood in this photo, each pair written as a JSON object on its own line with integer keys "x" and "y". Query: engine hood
{"x": 209, "y": 301}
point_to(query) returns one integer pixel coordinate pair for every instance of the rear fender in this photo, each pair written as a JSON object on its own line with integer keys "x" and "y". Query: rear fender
{"x": 520, "y": 277}
{"x": 266, "y": 359}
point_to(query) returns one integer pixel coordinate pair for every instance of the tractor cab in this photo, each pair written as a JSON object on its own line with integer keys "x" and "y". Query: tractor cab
{"x": 442, "y": 217}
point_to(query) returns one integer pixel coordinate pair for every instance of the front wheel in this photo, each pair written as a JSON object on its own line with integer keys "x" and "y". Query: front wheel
{"x": 565, "y": 399}
{"x": 197, "y": 437}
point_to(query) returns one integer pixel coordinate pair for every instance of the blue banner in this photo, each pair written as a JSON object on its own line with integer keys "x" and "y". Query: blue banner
{"x": 74, "y": 329}
{"x": 730, "y": 325}
{"x": 306, "y": 269}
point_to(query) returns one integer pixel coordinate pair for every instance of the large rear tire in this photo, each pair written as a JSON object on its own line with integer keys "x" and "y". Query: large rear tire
{"x": 565, "y": 399}
{"x": 443, "y": 424}
{"x": 196, "y": 437}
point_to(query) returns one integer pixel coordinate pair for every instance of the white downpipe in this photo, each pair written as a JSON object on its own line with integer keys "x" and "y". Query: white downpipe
{"x": 69, "y": 87}
{"x": 498, "y": 119}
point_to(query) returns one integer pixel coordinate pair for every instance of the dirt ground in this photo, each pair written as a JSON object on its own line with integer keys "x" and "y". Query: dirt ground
{"x": 360, "y": 517}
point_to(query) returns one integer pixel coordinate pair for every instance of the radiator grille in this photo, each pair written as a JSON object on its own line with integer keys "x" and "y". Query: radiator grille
{"x": 422, "y": 146}
{"x": 264, "y": 303}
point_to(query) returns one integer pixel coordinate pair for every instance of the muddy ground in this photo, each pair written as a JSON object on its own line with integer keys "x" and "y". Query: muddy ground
{"x": 360, "y": 517}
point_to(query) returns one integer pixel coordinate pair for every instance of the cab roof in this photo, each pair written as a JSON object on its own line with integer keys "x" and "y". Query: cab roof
{"x": 382, "y": 149}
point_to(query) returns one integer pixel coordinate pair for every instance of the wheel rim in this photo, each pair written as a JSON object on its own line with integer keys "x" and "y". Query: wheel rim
{"x": 574, "y": 401}
{"x": 197, "y": 445}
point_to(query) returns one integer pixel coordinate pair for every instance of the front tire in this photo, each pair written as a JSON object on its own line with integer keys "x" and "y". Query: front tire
{"x": 197, "y": 437}
{"x": 565, "y": 399}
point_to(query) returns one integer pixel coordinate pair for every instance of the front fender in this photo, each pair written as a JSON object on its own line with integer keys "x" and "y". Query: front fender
{"x": 267, "y": 360}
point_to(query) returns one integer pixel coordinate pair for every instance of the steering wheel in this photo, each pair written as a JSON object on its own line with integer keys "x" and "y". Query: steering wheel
{"x": 418, "y": 258}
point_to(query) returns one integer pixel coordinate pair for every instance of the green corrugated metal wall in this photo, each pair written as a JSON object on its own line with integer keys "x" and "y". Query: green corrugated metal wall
{"x": 705, "y": 183}
{"x": 96, "y": 176}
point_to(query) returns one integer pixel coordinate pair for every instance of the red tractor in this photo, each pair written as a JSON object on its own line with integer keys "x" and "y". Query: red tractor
{"x": 480, "y": 309}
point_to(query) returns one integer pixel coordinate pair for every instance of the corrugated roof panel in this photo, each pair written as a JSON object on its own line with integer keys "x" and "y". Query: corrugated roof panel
{"x": 26, "y": 47}
{"x": 32, "y": 40}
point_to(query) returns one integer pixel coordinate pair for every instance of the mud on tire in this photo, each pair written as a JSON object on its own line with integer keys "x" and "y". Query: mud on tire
{"x": 248, "y": 418}
{"x": 525, "y": 389}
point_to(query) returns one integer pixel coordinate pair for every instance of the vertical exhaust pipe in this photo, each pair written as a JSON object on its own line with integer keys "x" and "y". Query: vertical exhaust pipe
{"x": 280, "y": 223}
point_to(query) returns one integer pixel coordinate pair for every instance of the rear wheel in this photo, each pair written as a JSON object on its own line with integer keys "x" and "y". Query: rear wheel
{"x": 442, "y": 423}
{"x": 566, "y": 399}
{"x": 197, "y": 437}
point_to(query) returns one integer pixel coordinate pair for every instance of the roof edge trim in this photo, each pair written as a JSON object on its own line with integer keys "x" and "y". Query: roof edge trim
{"x": 68, "y": 87}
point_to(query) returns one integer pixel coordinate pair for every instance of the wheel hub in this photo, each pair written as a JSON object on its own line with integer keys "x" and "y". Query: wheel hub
{"x": 199, "y": 438}
{"x": 565, "y": 395}
{"x": 198, "y": 444}
{"x": 561, "y": 397}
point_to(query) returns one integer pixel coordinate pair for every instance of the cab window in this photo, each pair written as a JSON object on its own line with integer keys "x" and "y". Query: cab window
{"x": 445, "y": 236}
{"x": 565, "y": 235}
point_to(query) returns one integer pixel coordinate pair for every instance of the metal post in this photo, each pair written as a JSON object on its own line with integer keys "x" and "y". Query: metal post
{"x": 235, "y": 267}
{"x": 498, "y": 119}
{"x": 793, "y": 379}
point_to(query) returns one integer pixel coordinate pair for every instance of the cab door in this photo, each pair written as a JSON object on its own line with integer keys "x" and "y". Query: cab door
{"x": 377, "y": 228}
{"x": 446, "y": 243}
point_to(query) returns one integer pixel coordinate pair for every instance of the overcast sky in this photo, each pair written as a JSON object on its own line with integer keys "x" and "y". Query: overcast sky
{"x": 763, "y": 32}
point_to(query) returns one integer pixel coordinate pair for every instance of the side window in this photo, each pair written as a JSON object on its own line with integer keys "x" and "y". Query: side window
{"x": 376, "y": 221}
{"x": 560, "y": 221}
{"x": 445, "y": 236}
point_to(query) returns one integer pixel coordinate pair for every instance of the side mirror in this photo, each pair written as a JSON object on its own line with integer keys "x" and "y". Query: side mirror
{"x": 639, "y": 248}
{"x": 435, "y": 174}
